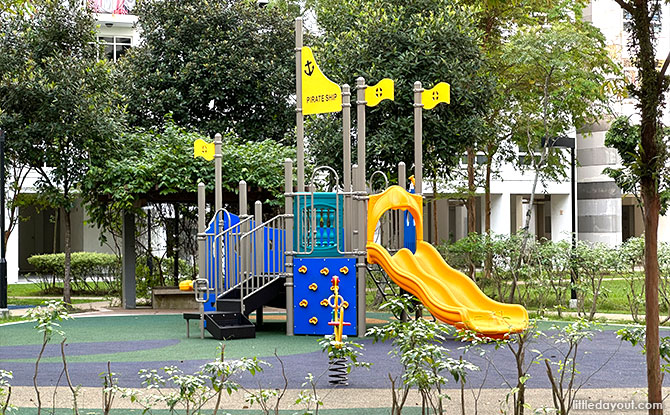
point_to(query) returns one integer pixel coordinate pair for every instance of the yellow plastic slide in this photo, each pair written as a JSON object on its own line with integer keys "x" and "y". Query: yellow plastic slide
{"x": 450, "y": 295}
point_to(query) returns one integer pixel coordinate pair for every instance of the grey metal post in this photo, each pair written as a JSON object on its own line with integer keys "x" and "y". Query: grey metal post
{"x": 288, "y": 209}
{"x": 218, "y": 204}
{"x": 243, "y": 198}
{"x": 245, "y": 248}
{"x": 300, "y": 131}
{"x": 346, "y": 167}
{"x": 360, "y": 126}
{"x": 260, "y": 257}
{"x": 218, "y": 183}
{"x": 418, "y": 138}
{"x": 362, "y": 228}
{"x": 128, "y": 282}
{"x": 355, "y": 225}
{"x": 402, "y": 175}
{"x": 202, "y": 251}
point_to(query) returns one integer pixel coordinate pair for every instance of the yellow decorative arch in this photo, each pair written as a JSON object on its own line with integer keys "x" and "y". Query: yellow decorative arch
{"x": 395, "y": 197}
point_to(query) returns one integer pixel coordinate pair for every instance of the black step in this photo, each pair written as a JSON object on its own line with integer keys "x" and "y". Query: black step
{"x": 227, "y": 325}
{"x": 272, "y": 293}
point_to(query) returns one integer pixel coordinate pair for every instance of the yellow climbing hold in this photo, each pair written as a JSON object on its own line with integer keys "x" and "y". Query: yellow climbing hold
{"x": 302, "y": 269}
{"x": 344, "y": 270}
{"x": 313, "y": 320}
{"x": 324, "y": 271}
{"x": 313, "y": 286}
{"x": 324, "y": 302}
{"x": 303, "y": 303}
{"x": 345, "y": 305}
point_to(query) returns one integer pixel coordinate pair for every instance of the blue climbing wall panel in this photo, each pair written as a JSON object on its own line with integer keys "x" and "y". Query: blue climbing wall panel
{"x": 312, "y": 287}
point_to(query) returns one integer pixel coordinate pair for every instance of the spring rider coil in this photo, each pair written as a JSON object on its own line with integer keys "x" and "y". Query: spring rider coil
{"x": 337, "y": 368}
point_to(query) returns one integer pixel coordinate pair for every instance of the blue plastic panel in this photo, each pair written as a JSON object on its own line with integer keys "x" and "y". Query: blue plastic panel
{"x": 323, "y": 314}
{"x": 325, "y": 232}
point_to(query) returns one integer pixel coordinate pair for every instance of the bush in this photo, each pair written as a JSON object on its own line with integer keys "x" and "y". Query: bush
{"x": 91, "y": 272}
{"x": 162, "y": 275}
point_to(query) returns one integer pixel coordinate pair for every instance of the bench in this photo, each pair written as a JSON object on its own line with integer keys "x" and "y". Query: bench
{"x": 171, "y": 298}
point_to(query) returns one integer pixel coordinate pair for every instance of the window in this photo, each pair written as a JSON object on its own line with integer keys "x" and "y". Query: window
{"x": 115, "y": 46}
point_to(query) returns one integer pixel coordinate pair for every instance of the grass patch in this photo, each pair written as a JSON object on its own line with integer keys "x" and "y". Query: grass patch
{"x": 40, "y": 301}
{"x": 26, "y": 290}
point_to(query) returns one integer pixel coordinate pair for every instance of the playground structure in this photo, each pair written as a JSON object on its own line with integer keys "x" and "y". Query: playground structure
{"x": 312, "y": 259}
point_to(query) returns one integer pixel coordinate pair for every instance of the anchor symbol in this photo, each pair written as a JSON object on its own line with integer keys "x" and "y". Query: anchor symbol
{"x": 310, "y": 68}
{"x": 436, "y": 95}
{"x": 378, "y": 92}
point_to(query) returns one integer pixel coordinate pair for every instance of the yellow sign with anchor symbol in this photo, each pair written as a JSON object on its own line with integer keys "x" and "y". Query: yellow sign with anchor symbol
{"x": 377, "y": 93}
{"x": 440, "y": 93}
{"x": 319, "y": 94}
{"x": 202, "y": 148}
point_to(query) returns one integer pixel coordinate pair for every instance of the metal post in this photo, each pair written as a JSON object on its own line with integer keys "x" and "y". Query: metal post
{"x": 243, "y": 199}
{"x": 4, "y": 308}
{"x": 260, "y": 257}
{"x": 245, "y": 248}
{"x": 402, "y": 182}
{"x": 128, "y": 283}
{"x": 218, "y": 204}
{"x": 202, "y": 251}
{"x": 288, "y": 209}
{"x": 573, "y": 196}
{"x": 300, "y": 130}
{"x": 418, "y": 138}
{"x": 346, "y": 165}
{"x": 362, "y": 214}
{"x": 355, "y": 225}
{"x": 360, "y": 126}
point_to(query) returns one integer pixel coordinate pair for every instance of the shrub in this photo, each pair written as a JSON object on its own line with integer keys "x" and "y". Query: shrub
{"x": 92, "y": 272}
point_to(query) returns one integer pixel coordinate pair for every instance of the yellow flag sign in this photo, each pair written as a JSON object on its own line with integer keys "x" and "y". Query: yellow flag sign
{"x": 202, "y": 148}
{"x": 319, "y": 94}
{"x": 377, "y": 93}
{"x": 431, "y": 97}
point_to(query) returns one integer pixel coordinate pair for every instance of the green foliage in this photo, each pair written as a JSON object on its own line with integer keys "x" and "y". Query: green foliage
{"x": 48, "y": 317}
{"x": 556, "y": 80}
{"x": 160, "y": 162}
{"x": 636, "y": 336}
{"x": 162, "y": 274}
{"x": 418, "y": 346}
{"x": 216, "y": 66}
{"x": 626, "y": 138}
{"x": 407, "y": 41}
{"x": 92, "y": 272}
{"x": 57, "y": 101}
{"x": 5, "y": 392}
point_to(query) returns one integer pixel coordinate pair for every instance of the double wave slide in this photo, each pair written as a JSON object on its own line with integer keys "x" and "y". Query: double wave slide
{"x": 450, "y": 295}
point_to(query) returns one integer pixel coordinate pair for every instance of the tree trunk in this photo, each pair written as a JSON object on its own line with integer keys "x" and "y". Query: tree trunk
{"x": 67, "y": 294}
{"x": 470, "y": 203}
{"x": 488, "y": 264}
{"x": 651, "y": 275}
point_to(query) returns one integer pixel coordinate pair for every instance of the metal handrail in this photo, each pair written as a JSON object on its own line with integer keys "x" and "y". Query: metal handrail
{"x": 252, "y": 266}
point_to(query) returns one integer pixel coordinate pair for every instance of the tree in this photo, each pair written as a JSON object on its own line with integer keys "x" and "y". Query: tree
{"x": 407, "y": 41}
{"x": 57, "y": 101}
{"x": 154, "y": 163}
{"x": 215, "y": 66}
{"x": 651, "y": 157}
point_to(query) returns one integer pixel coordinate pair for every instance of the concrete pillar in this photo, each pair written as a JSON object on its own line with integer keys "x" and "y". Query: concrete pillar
{"x": 461, "y": 230}
{"x": 663, "y": 224}
{"x": 518, "y": 213}
{"x": 443, "y": 219}
{"x": 561, "y": 217}
{"x": 128, "y": 284}
{"x": 598, "y": 197}
{"x": 532, "y": 226}
{"x": 501, "y": 221}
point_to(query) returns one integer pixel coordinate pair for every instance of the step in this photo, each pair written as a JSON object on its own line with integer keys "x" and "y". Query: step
{"x": 229, "y": 325}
